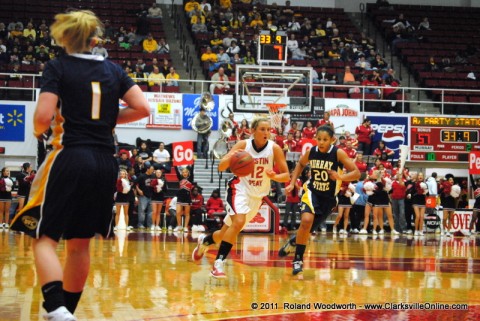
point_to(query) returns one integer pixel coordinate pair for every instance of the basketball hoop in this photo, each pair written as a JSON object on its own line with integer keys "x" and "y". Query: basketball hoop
{"x": 276, "y": 114}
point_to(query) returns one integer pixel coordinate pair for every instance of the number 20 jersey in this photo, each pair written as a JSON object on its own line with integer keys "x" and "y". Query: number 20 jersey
{"x": 256, "y": 185}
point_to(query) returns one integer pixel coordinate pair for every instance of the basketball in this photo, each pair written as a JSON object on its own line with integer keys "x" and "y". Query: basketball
{"x": 242, "y": 164}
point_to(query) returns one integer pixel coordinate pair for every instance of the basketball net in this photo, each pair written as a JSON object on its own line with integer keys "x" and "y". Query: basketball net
{"x": 276, "y": 114}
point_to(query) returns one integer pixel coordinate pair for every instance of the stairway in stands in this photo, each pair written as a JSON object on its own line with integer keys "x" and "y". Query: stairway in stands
{"x": 203, "y": 177}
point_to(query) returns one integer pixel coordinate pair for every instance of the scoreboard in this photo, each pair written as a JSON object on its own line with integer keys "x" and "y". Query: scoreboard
{"x": 443, "y": 139}
{"x": 272, "y": 47}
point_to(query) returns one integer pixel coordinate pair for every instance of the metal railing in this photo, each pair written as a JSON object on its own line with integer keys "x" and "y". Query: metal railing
{"x": 434, "y": 97}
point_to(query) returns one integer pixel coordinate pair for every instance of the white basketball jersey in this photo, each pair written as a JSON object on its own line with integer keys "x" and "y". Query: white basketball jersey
{"x": 257, "y": 184}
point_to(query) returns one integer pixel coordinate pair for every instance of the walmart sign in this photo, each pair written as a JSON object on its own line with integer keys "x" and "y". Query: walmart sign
{"x": 12, "y": 123}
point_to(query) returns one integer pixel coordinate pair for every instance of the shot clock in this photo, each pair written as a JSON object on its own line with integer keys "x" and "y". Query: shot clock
{"x": 443, "y": 139}
{"x": 272, "y": 46}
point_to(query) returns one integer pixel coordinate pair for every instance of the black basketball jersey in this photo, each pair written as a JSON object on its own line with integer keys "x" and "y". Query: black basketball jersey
{"x": 320, "y": 164}
{"x": 89, "y": 89}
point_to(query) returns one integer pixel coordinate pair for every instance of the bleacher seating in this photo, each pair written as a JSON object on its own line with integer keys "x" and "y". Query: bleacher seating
{"x": 118, "y": 12}
{"x": 454, "y": 31}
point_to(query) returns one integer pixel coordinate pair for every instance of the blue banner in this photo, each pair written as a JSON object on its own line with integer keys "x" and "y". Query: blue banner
{"x": 191, "y": 106}
{"x": 12, "y": 123}
{"x": 392, "y": 130}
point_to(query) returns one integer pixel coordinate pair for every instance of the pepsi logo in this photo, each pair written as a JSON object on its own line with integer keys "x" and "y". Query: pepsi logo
{"x": 393, "y": 140}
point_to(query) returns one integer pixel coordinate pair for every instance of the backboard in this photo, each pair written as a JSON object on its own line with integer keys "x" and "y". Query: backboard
{"x": 258, "y": 85}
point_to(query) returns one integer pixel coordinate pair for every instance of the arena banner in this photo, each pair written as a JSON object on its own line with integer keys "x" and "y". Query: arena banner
{"x": 474, "y": 163}
{"x": 16, "y": 129}
{"x": 344, "y": 113}
{"x": 460, "y": 219}
{"x": 261, "y": 222}
{"x": 12, "y": 123}
{"x": 182, "y": 153}
{"x": 393, "y": 130}
{"x": 191, "y": 106}
{"x": 165, "y": 110}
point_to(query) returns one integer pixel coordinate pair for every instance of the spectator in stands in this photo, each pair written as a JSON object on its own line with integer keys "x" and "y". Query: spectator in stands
{"x": 16, "y": 33}
{"x": 3, "y": 31}
{"x": 172, "y": 77}
{"x": 29, "y": 56}
{"x": 215, "y": 203}
{"x": 308, "y": 131}
{"x": 163, "y": 47}
{"x": 209, "y": 56}
{"x": 400, "y": 22}
{"x": 100, "y": 50}
{"x": 197, "y": 209}
{"x": 244, "y": 131}
{"x": 29, "y": 32}
{"x": 300, "y": 54}
{"x": 233, "y": 49}
{"x": 165, "y": 68}
{"x": 361, "y": 165}
{"x": 383, "y": 149}
{"x": 249, "y": 59}
{"x": 222, "y": 57}
{"x": 307, "y": 27}
{"x": 363, "y": 63}
{"x": 257, "y": 22}
{"x": 145, "y": 153}
{"x": 154, "y": 11}
{"x": 149, "y": 67}
{"x": 123, "y": 161}
{"x": 364, "y": 134}
{"x": 225, "y": 4}
{"x": 139, "y": 76}
{"x": 280, "y": 137}
{"x": 349, "y": 150}
{"x": 390, "y": 90}
{"x": 379, "y": 63}
{"x": 197, "y": 17}
{"x": 348, "y": 78}
{"x": 236, "y": 59}
{"x": 219, "y": 81}
{"x": 228, "y": 39}
{"x": 156, "y": 77}
{"x": 149, "y": 45}
{"x": 325, "y": 77}
{"x": 292, "y": 43}
{"x": 191, "y": 6}
{"x": 216, "y": 41}
{"x": 212, "y": 26}
{"x": 235, "y": 22}
{"x": 42, "y": 54}
{"x": 205, "y": 4}
{"x": 334, "y": 53}
{"x": 293, "y": 25}
{"x": 424, "y": 24}
{"x": 144, "y": 194}
{"x": 161, "y": 158}
{"x": 371, "y": 82}
{"x": 13, "y": 24}
{"x": 432, "y": 65}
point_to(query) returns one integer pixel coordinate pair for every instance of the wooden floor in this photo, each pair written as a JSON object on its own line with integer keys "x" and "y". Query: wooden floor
{"x": 146, "y": 276}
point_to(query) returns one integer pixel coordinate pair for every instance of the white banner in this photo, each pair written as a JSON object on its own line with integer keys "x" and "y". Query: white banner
{"x": 261, "y": 222}
{"x": 165, "y": 112}
{"x": 344, "y": 113}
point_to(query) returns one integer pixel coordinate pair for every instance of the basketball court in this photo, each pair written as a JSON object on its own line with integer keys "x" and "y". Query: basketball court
{"x": 151, "y": 276}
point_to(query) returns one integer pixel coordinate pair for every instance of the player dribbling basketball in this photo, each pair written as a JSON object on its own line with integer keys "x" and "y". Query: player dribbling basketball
{"x": 244, "y": 194}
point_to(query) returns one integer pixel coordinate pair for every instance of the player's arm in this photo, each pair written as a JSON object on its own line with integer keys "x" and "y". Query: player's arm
{"x": 46, "y": 106}
{"x": 138, "y": 106}
{"x": 225, "y": 162}
{"x": 279, "y": 159}
{"x": 352, "y": 174}
{"x": 302, "y": 162}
